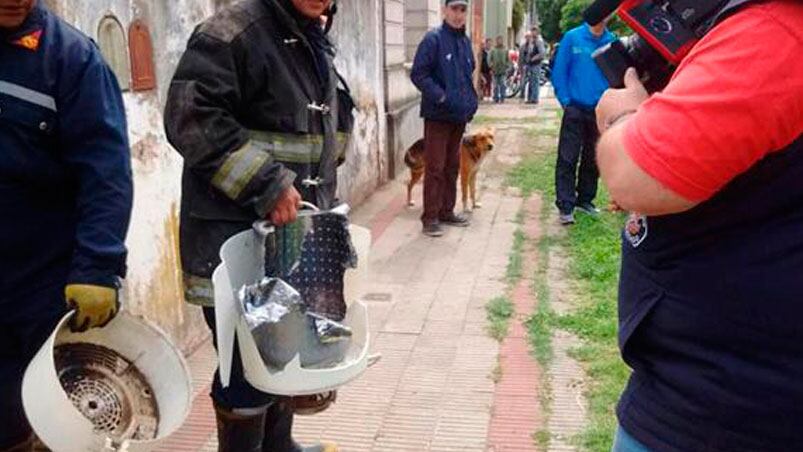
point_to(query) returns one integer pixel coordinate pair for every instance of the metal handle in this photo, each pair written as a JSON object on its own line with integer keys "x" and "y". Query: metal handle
{"x": 310, "y": 206}
{"x": 265, "y": 228}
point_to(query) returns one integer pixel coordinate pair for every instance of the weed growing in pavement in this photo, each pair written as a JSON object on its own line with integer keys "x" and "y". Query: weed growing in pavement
{"x": 482, "y": 120}
{"x": 499, "y": 311}
{"x": 542, "y": 438}
{"x": 593, "y": 249}
{"x": 514, "y": 262}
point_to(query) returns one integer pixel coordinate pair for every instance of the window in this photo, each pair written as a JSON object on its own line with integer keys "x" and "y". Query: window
{"x": 111, "y": 40}
{"x": 143, "y": 77}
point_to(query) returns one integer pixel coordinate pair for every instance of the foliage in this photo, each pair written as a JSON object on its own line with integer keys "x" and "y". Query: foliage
{"x": 572, "y": 16}
{"x": 549, "y": 16}
{"x": 519, "y": 10}
{"x": 560, "y": 16}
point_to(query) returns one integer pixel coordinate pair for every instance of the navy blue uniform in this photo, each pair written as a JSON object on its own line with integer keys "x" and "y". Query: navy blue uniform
{"x": 65, "y": 188}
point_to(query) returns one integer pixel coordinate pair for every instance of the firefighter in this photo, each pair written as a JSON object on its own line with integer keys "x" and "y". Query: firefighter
{"x": 260, "y": 116}
{"x": 65, "y": 193}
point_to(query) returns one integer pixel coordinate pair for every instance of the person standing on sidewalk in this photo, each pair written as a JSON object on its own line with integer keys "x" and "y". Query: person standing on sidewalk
{"x": 500, "y": 65}
{"x": 533, "y": 55}
{"x": 578, "y": 84}
{"x": 253, "y": 148}
{"x": 485, "y": 69}
{"x": 442, "y": 71}
{"x": 525, "y": 48}
{"x": 65, "y": 193}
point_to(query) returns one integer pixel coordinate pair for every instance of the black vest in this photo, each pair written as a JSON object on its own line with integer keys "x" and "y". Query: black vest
{"x": 711, "y": 317}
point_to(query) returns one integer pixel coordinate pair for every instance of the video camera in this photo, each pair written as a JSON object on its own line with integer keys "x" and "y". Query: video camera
{"x": 666, "y": 32}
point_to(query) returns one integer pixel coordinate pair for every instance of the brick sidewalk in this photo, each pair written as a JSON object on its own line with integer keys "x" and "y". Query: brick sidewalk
{"x": 433, "y": 388}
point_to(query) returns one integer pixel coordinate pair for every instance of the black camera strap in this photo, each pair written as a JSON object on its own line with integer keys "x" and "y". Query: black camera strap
{"x": 731, "y": 7}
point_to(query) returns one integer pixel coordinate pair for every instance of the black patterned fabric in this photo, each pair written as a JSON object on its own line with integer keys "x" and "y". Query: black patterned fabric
{"x": 324, "y": 255}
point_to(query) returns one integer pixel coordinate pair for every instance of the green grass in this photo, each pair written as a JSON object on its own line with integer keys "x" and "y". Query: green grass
{"x": 499, "y": 312}
{"x": 593, "y": 249}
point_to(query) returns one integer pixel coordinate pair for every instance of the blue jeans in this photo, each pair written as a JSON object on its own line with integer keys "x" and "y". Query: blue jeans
{"x": 626, "y": 443}
{"x": 500, "y": 88}
{"x": 534, "y": 82}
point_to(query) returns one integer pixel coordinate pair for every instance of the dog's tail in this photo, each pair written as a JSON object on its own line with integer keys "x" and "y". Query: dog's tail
{"x": 413, "y": 155}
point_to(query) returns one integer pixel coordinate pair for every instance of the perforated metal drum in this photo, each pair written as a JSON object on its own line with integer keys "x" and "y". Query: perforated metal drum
{"x": 108, "y": 390}
{"x": 123, "y": 387}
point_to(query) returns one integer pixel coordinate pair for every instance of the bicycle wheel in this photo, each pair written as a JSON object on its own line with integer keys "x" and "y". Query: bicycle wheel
{"x": 513, "y": 88}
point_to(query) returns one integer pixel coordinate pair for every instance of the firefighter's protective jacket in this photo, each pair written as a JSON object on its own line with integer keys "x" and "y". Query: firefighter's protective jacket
{"x": 252, "y": 111}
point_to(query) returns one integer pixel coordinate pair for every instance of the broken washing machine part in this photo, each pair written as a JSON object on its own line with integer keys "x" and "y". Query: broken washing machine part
{"x": 243, "y": 264}
{"x": 120, "y": 388}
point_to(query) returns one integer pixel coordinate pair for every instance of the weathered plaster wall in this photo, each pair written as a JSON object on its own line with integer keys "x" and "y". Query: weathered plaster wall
{"x": 153, "y": 286}
{"x": 356, "y": 33}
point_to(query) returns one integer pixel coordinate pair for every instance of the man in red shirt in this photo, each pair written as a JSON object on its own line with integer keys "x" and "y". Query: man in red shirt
{"x": 710, "y": 286}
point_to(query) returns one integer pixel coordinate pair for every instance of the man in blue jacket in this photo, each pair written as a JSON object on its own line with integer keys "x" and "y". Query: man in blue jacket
{"x": 442, "y": 70}
{"x": 578, "y": 84}
{"x": 65, "y": 192}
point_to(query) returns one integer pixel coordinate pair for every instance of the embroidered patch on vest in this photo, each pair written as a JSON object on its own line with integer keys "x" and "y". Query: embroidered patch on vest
{"x": 636, "y": 229}
{"x": 29, "y": 41}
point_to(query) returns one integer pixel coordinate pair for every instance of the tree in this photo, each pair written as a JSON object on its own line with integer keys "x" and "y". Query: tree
{"x": 549, "y": 12}
{"x": 572, "y": 16}
{"x": 519, "y": 10}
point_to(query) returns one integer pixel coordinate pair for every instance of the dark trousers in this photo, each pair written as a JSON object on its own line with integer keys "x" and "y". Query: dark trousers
{"x": 487, "y": 83}
{"x": 24, "y": 327}
{"x": 578, "y": 140}
{"x": 442, "y": 155}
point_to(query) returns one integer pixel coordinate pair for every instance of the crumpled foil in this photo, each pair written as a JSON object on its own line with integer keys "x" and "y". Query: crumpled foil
{"x": 300, "y": 312}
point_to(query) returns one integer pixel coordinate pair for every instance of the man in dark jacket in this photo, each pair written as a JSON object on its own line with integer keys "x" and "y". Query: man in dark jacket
{"x": 65, "y": 192}
{"x": 254, "y": 146}
{"x": 442, "y": 71}
{"x": 532, "y": 55}
{"x": 486, "y": 75}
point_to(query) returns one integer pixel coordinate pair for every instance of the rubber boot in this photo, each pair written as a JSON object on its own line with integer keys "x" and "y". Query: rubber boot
{"x": 240, "y": 430}
{"x": 25, "y": 446}
{"x": 279, "y": 432}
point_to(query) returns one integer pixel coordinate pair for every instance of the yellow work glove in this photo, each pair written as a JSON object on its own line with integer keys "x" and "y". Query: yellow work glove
{"x": 94, "y": 306}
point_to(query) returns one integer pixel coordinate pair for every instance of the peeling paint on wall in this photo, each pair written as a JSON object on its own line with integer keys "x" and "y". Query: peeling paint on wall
{"x": 160, "y": 298}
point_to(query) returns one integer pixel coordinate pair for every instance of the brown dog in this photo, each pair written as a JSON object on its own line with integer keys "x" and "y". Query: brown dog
{"x": 473, "y": 150}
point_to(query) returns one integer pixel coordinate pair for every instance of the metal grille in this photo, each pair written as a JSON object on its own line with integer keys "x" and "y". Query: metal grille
{"x": 108, "y": 390}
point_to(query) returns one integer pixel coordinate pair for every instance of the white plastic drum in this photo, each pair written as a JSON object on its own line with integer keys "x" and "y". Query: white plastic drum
{"x": 126, "y": 377}
{"x": 242, "y": 258}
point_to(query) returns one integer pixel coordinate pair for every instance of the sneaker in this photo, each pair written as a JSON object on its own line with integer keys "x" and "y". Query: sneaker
{"x": 433, "y": 230}
{"x": 566, "y": 218}
{"x": 460, "y": 221}
{"x": 588, "y": 208}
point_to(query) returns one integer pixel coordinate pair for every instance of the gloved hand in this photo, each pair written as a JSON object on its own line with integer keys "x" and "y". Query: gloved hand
{"x": 94, "y": 306}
